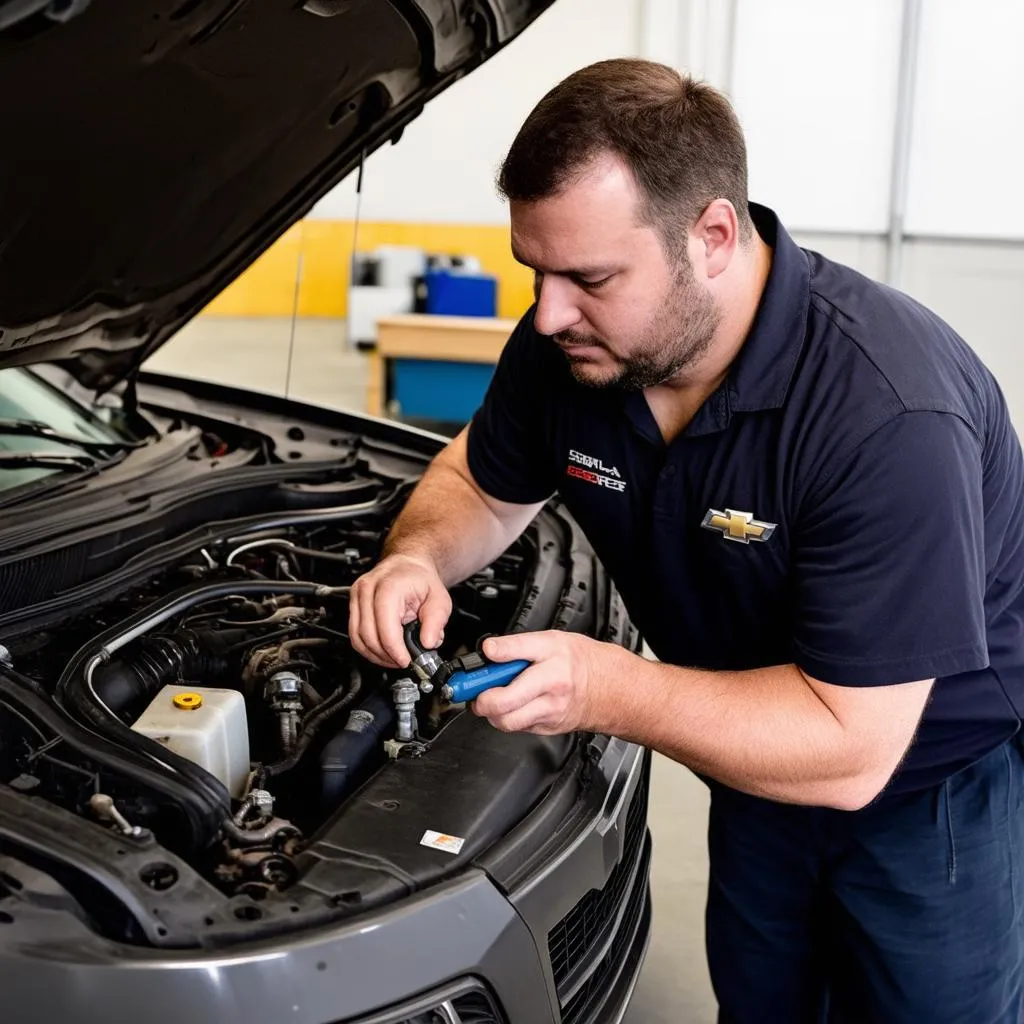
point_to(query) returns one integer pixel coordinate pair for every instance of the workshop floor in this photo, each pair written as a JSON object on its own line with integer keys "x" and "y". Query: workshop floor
{"x": 674, "y": 987}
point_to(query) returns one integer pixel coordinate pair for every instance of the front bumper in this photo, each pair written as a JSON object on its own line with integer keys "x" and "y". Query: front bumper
{"x": 564, "y": 942}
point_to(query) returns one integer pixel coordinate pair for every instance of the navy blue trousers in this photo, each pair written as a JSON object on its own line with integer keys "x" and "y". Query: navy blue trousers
{"x": 906, "y": 912}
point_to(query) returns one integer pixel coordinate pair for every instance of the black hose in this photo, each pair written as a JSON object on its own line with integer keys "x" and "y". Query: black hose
{"x": 348, "y": 756}
{"x": 201, "y": 822}
{"x": 411, "y": 632}
{"x": 339, "y": 700}
{"x": 180, "y": 601}
{"x": 127, "y": 685}
{"x": 75, "y": 696}
{"x": 258, "y": 836}
{"x": 324, "y": 556}
{"x": 136, "y": 625}
{"x": 205, "y": 786}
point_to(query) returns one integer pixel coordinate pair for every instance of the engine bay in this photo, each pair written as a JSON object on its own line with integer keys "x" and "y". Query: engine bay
{"x": 192, "y": 755}
{"x": 218, "y": 715}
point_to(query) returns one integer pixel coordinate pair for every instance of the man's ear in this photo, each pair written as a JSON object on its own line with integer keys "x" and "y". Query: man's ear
{"x": 717, "y": 233}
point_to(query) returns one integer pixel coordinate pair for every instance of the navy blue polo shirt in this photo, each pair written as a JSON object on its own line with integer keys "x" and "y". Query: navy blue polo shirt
{"x": 850, "y": 500}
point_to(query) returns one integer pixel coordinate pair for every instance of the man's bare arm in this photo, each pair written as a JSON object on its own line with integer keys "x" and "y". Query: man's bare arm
{"x": 776, "y": 732}
{"x": 450, "y": 522}
{"x": 773, "y": 732}
{"x": 448, "y": 530}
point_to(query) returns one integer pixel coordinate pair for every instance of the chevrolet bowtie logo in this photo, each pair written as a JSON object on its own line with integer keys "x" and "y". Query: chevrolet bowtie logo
{"x": 741, "y": 527}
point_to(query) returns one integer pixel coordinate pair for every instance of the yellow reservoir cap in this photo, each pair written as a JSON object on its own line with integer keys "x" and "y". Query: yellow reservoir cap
{"x": 187, "y": 701}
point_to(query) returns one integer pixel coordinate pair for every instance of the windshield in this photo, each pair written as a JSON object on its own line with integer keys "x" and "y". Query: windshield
{"x": 26, "y": 397}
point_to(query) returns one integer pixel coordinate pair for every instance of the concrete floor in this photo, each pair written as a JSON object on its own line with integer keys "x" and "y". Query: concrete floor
{"x": 674, "y": 987}
{"x": 256, "y": 354}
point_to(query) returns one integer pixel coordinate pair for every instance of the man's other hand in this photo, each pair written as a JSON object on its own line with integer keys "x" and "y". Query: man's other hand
{"x": 557, "y": 693}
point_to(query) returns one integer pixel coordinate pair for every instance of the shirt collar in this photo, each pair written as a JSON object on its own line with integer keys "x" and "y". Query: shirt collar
{"x": 761, "y": 374}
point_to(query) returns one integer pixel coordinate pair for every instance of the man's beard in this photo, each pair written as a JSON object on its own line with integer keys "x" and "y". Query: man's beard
{"x": 675, "y": 338}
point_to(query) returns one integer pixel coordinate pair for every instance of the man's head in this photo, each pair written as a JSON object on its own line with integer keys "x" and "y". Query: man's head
{"x": 628, "y": 193}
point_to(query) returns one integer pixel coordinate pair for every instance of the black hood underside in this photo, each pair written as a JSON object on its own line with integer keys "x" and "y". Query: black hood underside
{"x": 152, "y": 149}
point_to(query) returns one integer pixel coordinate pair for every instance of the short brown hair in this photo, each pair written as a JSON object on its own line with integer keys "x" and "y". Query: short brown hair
{"x": 680, "y": 139}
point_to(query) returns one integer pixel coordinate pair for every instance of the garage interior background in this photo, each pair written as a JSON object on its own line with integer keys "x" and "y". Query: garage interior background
{"x": 886, "y": 133}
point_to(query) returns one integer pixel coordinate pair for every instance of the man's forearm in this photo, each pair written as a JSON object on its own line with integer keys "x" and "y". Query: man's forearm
{"x": 445, "y": 522}
{"x": 450, "y": 523}
{"x": 764, "y": 731}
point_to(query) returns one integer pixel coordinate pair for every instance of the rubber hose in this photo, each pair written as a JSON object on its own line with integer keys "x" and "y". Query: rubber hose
{"x": 203, "y": 785}
{"x": 337, "y": 702}
{"x": 346, "y": 752}
{"x": 411, "y": 633}
{"x": 201, "y": 823}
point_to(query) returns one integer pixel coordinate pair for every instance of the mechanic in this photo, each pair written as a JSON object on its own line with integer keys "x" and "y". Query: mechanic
{"x": 809, "y": 493}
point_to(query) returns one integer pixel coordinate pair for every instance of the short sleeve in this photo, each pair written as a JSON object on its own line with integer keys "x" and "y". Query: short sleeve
{"x": 889, "y": 558}
{"x": 509, "y": 456}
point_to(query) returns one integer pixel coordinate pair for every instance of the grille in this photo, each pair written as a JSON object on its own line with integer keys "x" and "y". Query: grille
{"x": 582, "y": 1007}
{"x": 580, "y": 934}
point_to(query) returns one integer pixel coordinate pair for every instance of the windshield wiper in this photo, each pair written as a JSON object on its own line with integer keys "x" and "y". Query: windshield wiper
{"x": 47, "y": 460}
{"x": 72, "y": 471}
{"x": 36, "y": 428}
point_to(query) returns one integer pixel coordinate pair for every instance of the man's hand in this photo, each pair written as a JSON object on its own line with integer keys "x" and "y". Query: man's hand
{"x": 397, "y": 590}
{"x": 557, "y": 693}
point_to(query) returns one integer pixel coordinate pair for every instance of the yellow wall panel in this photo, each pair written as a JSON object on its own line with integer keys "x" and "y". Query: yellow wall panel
{"x": 267, "y": 288}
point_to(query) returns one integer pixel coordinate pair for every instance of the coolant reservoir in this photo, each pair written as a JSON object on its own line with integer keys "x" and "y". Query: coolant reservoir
{"x": 205, "y": 725}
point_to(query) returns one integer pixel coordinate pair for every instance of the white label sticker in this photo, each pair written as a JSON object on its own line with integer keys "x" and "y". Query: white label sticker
{"x": 441, "y": 841}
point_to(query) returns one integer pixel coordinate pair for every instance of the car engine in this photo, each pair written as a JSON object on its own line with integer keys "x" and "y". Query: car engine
{"x": 217, "y": 711}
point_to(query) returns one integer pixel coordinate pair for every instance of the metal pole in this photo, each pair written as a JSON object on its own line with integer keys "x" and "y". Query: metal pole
{"x": 910, "y": 45}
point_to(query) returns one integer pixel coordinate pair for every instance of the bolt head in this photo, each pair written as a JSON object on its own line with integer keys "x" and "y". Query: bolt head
{"x": 405, "y": 691}
{"x": 282, "y": 684}
{"x": 263, "y": 801}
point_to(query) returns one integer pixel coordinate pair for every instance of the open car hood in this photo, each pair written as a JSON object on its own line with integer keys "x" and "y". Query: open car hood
{"x": 152, "y": 150}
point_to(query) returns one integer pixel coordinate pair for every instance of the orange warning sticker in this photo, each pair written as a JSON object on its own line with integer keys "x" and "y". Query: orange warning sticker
{"x": 442, "y": 841}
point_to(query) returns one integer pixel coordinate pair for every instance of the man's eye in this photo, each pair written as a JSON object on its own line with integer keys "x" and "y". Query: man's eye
{"x": 592, "y": 286}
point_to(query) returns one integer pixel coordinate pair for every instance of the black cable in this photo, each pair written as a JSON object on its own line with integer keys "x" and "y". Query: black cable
{"x": 338, "y": 701}
{"x": 200, "y": 821}
{"x": 43, "y": 752}
{"x": 32, "y": 725}
{"x": 317, "y": 627}
{"x": 326, "y": 556}
{"x": 265, "y": 638}
{"x": 93, "y": 777}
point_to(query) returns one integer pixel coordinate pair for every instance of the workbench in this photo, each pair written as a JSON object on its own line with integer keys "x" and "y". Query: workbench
{"x": 434, "y": 367}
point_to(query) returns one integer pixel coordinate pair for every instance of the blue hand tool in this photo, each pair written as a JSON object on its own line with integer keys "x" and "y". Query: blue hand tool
{"x": 468, "y": 683}
{"x": 463, "y": 678}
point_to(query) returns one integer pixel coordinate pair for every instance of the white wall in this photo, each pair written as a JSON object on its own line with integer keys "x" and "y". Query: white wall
{"x": 819, "y": 148}
{"x": 967, "y": 135}
{"x": 814, "y": 85}
{"x": 444, "y": 168}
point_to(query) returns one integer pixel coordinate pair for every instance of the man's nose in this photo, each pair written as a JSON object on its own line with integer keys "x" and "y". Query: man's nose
{"x": 556, "y": 307}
